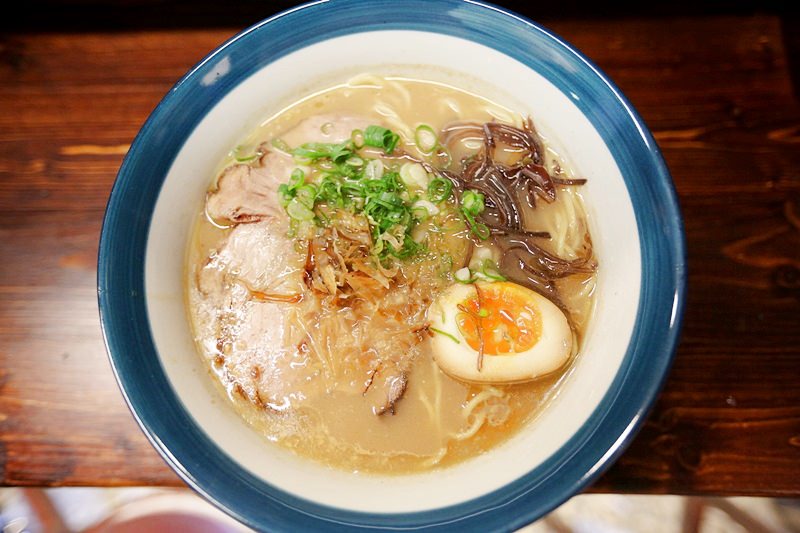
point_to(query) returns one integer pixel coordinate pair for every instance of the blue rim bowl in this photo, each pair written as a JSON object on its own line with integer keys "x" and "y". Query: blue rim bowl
{"x": 602, "y": 438}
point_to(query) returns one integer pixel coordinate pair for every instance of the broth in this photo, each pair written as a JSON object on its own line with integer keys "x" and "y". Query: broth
{"x": 438, "y": 420}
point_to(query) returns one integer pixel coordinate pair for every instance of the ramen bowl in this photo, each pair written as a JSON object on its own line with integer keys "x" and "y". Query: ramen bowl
{"x": 635, "y": 226}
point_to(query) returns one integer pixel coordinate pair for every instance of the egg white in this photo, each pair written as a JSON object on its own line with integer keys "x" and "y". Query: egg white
{"x": 459, "y": 359}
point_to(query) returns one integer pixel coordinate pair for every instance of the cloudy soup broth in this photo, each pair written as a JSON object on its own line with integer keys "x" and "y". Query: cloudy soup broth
{"x": 391, "y": 275}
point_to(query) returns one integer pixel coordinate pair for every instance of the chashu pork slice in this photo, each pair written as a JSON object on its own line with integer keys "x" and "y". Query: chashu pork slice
{"x": 248, "y": 193}
{"x": 253, "y": 345}
{"x": 249, "y": 340}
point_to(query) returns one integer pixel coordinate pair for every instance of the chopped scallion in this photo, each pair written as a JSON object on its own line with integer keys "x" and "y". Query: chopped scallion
{"x": 480, "y": 230}
{"x": 306, "y": 195}
{"x": 429, "y": 207}
{"x": 337, "y": 153}
{"x": 439, "y": 190}
{"x": 338, "y": 177}
{"x": 298, "y": 211}
{"x": 472, "y": 205}
{"x": 448, "y": 335}
{"x": 374, "y": 169}
{"x": 281, "y": 145}
{"x": 296, "y": 179}
{"x": 414, "y": 175}
{"x": 244, "y": 158}
{"x": 472, "y": 202}
{"x": 284, "y": 194}
{"x": 380, "y": 137}
{"x": 425, "y": 139}
{"x": 358, "y": 139}
{"x": 420, "y": 213}
{"x": 489, "y": 270}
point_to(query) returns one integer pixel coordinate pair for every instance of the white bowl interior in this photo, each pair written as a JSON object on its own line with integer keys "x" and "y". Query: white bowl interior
{"x": 441, "y": 58}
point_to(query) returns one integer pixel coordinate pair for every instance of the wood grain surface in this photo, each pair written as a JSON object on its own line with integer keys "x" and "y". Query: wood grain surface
{"x": 716, "y": 92}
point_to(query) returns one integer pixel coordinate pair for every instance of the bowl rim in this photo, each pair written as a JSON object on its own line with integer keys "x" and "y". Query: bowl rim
{"x": 576, "y": 464}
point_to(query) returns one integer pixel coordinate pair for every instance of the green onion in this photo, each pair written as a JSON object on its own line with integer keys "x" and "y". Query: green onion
{"x": 322, "y": 218}
{"x": 297, "y": 178}
{"x": 357, "y": 137}
{"x": 425, "y": 139}
{"x": 429, "y": 207}
{"x": 306, "y": 195}
{"x": 244, "y": 159}
{"x": 284, "y": 194}
{"x": 489, "y": 269}
{"x": 439, "y": 190}
{"x": 374, "y": 169}
{"x": 281, "y": 145}
{"x": 472, "y": 205}
{"x": 380, "y": 137}
{"x": 330, "y": 191}
{"x": 340, "y": 178}
{"x": 353, "y": 189}
{"x": 414, "y": 175}
{"x": 420, "y": 213}
{"x": 472, "y": 202}
{"x": 337, "y": 153}
{"x": 480, "y": 230}
{"x": 298, "y": 211}
{"x": 287, "y": 191}
{"x": 448, "y": 335}
{"x": 341, "y": 152}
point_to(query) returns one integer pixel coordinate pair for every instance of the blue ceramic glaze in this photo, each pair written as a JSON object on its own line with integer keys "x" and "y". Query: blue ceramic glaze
{"x": 124, "y": 238}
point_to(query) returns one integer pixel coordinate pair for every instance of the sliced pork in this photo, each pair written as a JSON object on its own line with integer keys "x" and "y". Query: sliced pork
{"x": 247, "y": 335}
{"x": 247, "y": 291}
{"x": 248, "y": 193}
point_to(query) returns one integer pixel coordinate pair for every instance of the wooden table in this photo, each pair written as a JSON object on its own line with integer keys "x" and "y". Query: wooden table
{"x": 716, "y": 91}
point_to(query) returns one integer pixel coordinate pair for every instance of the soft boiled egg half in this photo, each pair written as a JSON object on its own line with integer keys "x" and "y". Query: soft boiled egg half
{"x": 523, "y": 335}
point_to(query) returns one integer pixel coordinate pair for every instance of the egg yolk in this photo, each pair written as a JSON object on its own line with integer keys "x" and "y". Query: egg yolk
{"x": 506, "y": 320}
